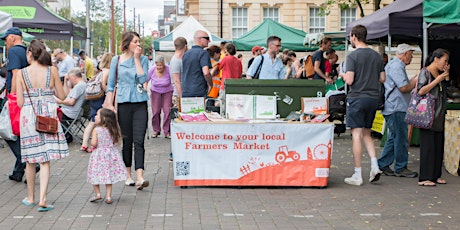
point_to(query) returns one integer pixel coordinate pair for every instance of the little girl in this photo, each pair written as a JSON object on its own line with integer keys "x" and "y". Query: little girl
{"x": 105, "y": 164}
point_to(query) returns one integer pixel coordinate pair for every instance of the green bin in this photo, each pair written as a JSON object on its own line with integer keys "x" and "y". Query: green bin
{"x": 288, "y": 92}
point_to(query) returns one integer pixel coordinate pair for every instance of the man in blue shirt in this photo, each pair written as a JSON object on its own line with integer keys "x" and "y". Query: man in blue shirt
{"x": 196, "y": 63}
{"x": 65, "y": 63}
{"x": 16, "y": 61}
{"x": 272, "y": 67}
{"x": 397, "y": 94}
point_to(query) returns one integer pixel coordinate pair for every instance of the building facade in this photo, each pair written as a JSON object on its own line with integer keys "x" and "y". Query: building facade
{"x": 231, "y": 19}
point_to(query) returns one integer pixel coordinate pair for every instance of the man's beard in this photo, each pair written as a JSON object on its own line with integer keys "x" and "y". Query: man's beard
{"x": 353, "y": 45}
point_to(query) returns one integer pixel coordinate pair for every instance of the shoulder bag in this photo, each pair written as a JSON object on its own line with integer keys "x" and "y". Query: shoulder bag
{"x": 420, "y": 112}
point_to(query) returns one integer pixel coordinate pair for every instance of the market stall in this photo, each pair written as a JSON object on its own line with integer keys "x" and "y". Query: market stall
{"x": 252, "y": 153}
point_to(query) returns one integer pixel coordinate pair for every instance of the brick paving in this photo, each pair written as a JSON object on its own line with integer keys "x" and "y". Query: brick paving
{"x": 391, "y": 203}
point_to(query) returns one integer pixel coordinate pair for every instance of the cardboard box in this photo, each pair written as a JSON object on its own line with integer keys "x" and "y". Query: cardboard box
{"x": 314, "y": 105}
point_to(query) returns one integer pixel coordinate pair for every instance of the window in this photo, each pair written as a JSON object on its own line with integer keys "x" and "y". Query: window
{"x": 347, "y": 16}
{"x": 317, "y": 22}
{"x": 272, "y": 13}
{"x": 239, "y": 21}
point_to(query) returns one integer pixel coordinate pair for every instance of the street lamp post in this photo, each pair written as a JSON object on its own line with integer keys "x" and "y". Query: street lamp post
{"x": 124, "y": 16}
{"x": 134, "y": 20}
{"x": 88, "y": 31}
{"x": 112, "y": 28}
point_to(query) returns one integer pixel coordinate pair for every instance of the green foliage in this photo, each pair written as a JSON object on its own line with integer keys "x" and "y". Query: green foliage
{"x": 100, "y": 27}
{"x": 325, "y": 8}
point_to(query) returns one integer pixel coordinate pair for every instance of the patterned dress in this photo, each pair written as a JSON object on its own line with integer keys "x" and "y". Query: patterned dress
{"x": 37, "y": 147}
{"x": 105, "y": 164}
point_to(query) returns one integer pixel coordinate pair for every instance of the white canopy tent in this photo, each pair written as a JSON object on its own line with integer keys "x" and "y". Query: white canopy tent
{"x": 186, "y": 29}
{"x": 6, "y": 21}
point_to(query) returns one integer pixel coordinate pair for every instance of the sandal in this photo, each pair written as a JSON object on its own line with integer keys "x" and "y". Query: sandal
{"x": 426, "y": 183}
{"x": 155, "y": 135}
{"x": 46, "y": 208}
{"x": 441, "y": 181}
{"x": 96, "y": 198}
{"x": 84, "y": 148}
{"x": 90, "y": 150}
{"x": 108, "y": 200}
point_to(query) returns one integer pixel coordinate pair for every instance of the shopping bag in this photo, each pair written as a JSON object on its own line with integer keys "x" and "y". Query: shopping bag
{"x": 15, "y": 112}
{"x": 420, "y": 112}
{"x": 6, "y": 132}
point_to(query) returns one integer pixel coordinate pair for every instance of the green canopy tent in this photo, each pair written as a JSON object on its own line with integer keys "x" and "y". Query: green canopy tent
{"x": 290, "y": 38}
{"x": 438, "y": 13}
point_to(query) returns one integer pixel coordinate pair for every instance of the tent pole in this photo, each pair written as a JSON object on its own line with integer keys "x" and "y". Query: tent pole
{"x": 389, "y": 47}
{"x": 425, "y": 27}
{"x": 71, "y": 46}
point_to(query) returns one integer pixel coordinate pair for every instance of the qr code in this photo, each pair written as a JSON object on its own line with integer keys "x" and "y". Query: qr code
{"x": 182, "y": 168}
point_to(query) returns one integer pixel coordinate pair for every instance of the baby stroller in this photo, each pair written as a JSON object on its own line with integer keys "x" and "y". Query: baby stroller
{"x": 337, "y": 107}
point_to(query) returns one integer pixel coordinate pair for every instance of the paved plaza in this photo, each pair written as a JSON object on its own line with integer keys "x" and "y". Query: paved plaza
{"x": 391, "y": 203}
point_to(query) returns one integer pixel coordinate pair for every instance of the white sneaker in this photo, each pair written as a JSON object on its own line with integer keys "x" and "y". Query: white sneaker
{"x": 353, "y": 181}
{"x": 374, "y": 175}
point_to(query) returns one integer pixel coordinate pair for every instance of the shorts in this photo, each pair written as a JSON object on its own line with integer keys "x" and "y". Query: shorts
{"x": 361, "y": 112}
{"x": 95, "y": 105}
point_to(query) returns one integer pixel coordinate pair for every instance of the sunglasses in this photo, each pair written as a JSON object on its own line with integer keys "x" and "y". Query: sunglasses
{"x": 207, "y": 38}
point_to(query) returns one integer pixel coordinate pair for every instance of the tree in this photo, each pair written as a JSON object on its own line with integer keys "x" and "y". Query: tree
{"x": 345, "y": 4}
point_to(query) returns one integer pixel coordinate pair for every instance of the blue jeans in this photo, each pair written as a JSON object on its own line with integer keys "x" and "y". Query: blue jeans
{"x": 15, "y": 147}
{"x": 396, "y": 146}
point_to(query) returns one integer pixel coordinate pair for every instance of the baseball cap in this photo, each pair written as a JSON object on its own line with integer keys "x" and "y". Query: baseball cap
{"x": 11, "y": 30}
{"x": 256, "y": 48}
{"x": 402, "y": 48}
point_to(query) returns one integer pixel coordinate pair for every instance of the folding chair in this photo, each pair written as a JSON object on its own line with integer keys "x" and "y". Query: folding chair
{"x": 76, "y": 126}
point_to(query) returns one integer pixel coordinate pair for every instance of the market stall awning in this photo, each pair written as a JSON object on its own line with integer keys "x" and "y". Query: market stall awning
{"x": 33, "y": 17}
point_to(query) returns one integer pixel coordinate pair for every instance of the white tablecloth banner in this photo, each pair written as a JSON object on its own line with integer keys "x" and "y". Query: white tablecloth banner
{"x": 278, "y": 154}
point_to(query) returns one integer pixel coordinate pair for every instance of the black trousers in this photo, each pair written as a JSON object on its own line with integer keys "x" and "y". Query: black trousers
{"x": 431, "y": 155}
{"x": 133, "y": 120}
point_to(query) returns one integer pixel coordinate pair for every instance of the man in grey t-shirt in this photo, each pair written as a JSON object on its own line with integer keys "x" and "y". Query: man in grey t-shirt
{"x": 175, "y": 68}
{"x": 364, "y": 72}
{"x": 74, "y": 87}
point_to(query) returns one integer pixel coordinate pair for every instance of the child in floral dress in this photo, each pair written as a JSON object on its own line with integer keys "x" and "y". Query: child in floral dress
{"x": 105, "y": 164}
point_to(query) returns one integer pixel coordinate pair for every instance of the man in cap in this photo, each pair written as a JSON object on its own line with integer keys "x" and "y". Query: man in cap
{"x": 397, "y": 94}
{"x": 256, "y": 51}
{"x": 16, "y": 56}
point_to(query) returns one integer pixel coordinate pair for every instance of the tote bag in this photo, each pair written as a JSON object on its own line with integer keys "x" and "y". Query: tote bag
{"x": 420, "y": 112}
{"x": 6, "y": 132}
{"x": 15, "y": 112}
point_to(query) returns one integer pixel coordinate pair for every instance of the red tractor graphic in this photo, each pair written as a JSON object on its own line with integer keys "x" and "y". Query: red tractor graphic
{"x": 283, "y": 153}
